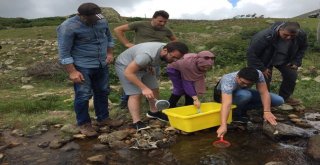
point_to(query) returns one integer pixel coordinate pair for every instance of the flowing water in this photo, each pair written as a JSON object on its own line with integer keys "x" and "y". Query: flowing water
{"x": 247, "y": 148}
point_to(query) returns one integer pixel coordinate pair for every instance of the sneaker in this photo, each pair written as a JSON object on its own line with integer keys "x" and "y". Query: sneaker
{"x": 158, "y": 115}
{"x": 140, "y": 126}
{"x": 110, "y": 122}
{"x": 88, "y": 130}
{"x": 292, "y": 101}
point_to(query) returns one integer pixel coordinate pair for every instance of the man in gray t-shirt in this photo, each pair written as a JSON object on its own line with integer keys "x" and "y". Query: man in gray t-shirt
{"x": 135, "y": 69}
{"x": 235, "y": 88}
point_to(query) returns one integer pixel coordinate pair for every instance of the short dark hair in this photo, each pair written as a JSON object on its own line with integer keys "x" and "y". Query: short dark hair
{"x": 291, "y": 27}
{"x": 175, "y": 45}
{"x": 249, "y": 73}
{"x": 161, "y": 13}
{"x": 89, "y": 9}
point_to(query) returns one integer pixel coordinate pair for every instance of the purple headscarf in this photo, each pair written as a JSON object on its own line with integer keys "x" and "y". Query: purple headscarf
{"x": 189, "y": 68}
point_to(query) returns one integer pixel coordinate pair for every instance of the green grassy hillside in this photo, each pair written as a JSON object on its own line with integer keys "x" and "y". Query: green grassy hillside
{"x": 29, "y": 57}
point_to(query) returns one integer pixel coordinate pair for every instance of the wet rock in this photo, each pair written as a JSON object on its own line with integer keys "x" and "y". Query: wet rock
{"x": 59, "y": 142}
{"x": 275, "y": 163}
{"x": 44, "y": 144}
{"x": 285, "y": 107}
{"x": 313, "y": 148}
{"x": 168, "y": 157}
{"x": 156, "y": 124}
{"x": 98, "y": 147}
{"x": 217, "y": 159}
{"x": 144, "y": 144}
{"x": 79, "y": 136}
{"x": 291, "y": 116}
{"x": 101, "y": 159}
{"x": 157, "y": 136}
{"x": 69, "y": 128}
{"x": 299, "y": 108}
{"x": 256, "y": 119}
{"x": 70, "y": 146}
{"x": 118, "y": 144}
{"x": 155, "y": 153}
{"x": 4, "y": 147}
{"x": 296, "y": 120}
{"x": 114, "y": 136}
{"x": 55, "y": 144}
{"x": 303, "y": 124}
{"x": 284, "y": 131}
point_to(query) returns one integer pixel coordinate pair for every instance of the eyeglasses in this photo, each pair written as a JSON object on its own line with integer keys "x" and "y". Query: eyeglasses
{"x": 173, "y": 57}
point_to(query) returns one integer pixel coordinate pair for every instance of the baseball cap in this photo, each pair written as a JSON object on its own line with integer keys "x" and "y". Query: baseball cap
{"x": 90, "y": 9}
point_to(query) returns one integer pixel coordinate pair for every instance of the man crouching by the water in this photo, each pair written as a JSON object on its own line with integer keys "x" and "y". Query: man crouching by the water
{"x": 235, "y": 88}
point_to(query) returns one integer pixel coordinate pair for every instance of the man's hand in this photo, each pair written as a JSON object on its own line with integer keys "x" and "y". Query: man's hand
{"x": 148, "y": 93}
{"x": 109, "y": 59}
{"x": 267, "y": 73}
{"x": 270, "y": 118}
{"x": 76, "y": 77}
{"x": 222, "y": 131}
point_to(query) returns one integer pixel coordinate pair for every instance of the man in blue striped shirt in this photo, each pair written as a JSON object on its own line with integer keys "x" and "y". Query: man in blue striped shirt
{"x": 85, "y": 49}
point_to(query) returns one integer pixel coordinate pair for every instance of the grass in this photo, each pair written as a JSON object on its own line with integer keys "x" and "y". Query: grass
{"x": 25, "y": 108}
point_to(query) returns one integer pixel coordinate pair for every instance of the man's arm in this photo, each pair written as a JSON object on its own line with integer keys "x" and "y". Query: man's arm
{"x": 120, "y": 34}
{"x": 226, "y": 102}
{"x": 109, "y": 58}
{"x": 266, "y": 102}
{"x": 130, "y": 74}
{"x": 256, "y": 48}
{"x": 303, "y": 45}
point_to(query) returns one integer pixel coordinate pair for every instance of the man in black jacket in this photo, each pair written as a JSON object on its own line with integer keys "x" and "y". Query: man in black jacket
{"x": 281, "y": 46}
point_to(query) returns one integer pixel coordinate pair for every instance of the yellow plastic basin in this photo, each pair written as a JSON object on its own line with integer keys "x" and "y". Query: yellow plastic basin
{"x": 187, "y": 119}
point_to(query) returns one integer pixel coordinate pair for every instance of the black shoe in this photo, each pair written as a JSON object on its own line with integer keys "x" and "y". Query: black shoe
{"x": 140, "y": 126}
{"x": 124, "y": 105}
{"x": 158, "y": 115}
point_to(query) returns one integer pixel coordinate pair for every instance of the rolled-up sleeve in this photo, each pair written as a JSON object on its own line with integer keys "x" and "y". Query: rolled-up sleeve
{"x": 110, "y": 38}
{"x": 65, "y": 43}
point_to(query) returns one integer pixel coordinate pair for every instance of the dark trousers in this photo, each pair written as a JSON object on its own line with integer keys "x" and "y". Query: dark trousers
{"x": 289, "y": 77}
{"x": 173, "y": 100}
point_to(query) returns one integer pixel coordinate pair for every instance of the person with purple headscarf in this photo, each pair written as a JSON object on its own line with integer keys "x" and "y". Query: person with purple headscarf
{"x": 188, "y": 77}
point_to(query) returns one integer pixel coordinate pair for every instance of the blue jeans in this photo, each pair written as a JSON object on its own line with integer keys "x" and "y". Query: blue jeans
{"x": 246, "y": 99}
{"x": 97, "y": 84}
